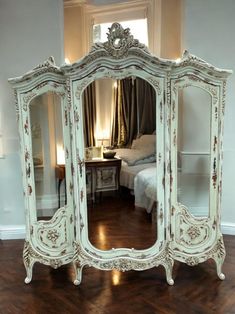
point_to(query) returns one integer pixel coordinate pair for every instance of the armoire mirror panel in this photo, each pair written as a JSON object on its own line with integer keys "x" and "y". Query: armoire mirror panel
{"x": 193, "y": 158}
{"x": 172, "y": 210}
{"x": 115, "y": 112}
{"x": 48, "y": 152}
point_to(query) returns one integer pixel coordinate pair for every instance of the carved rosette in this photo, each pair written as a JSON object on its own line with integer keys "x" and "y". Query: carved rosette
{"x": 192, "y": 260}
{"x": 52, "y": 235}
{"x": 193, "y": 232}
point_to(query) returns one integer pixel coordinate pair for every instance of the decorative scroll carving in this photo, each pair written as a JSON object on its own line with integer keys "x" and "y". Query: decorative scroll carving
{"x": 50, "y": 62}
{"x": 119, "y": 42}
{"x": 191, "y": 232}
{"x": 81, "y": 258}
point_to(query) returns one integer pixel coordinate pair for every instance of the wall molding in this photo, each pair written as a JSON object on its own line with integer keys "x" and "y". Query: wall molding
{"x": 10, "y": 232}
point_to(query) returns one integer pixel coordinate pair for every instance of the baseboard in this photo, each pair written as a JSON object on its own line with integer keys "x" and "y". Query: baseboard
{"x": 228, "y": 228}
{"x": 11, "y": 232}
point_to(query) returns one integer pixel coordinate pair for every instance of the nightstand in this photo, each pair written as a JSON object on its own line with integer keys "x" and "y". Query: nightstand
{"x": 101, "y": 175}
{"x": 105, "y": 174}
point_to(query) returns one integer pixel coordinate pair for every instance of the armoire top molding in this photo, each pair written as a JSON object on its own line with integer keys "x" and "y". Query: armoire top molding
{"x": 121, "y": 46}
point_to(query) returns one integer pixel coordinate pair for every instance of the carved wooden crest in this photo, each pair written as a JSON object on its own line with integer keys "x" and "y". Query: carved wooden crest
{"x": 119, "y": 41}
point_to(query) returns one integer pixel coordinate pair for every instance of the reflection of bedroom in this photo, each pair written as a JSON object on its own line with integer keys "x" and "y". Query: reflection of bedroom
{"x": 119, "y": 117}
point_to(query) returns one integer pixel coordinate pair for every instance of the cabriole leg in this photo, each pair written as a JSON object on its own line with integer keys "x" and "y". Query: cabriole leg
{"x": 28, "y": 262}
{"x": 78, "y": 273}
{"x": 219, "y": 260}
{"x": 219, "y": 257}
{"x": 168, "y": 268}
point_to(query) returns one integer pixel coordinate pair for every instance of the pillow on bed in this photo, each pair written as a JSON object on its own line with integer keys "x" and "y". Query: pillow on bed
{"x": 134, "y": 156}
{"x": 146, "y": 140}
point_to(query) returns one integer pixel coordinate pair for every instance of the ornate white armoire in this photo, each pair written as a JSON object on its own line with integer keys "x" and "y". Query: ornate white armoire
{"x": 181, "y": 235}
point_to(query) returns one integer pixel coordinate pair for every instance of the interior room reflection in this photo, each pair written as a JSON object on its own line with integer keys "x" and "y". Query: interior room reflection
{"x": 48, "y": 153}
{"x": 194, "y": 130}
{"x": 119, "y": 124}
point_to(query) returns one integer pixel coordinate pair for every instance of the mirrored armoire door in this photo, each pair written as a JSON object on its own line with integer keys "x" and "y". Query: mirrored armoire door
{"x": 44, "y": 127}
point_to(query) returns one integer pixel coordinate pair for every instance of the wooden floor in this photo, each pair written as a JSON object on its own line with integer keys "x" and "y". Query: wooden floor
{"x": 115, "y": 222}
{"x": 196, "y": 290}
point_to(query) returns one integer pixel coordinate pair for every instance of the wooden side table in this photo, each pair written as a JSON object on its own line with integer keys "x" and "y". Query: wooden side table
{"x": 105, "y": 174}
{"x": 101, "y": 175}
{"x": 60, "y": 175}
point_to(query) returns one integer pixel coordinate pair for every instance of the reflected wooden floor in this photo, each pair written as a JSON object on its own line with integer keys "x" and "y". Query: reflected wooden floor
{"x": 196, "y": 290}
{"x": 114, "y": 223}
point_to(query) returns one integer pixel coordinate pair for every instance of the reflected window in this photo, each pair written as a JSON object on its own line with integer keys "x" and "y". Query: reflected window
{"x": 139, "y": 30}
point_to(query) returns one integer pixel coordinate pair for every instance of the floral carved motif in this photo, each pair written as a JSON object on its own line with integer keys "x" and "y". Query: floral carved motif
{"x": 193, "y": 232}
{"x": 53, "y": 235}
{"x": 192, "y": 261}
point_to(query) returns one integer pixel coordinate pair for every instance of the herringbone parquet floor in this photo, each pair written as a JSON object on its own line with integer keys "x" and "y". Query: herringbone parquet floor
{"x": 196, "y": 290}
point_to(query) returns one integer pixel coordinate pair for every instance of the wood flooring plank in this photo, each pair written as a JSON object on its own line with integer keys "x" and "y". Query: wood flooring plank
{"x": 197, "y": 289}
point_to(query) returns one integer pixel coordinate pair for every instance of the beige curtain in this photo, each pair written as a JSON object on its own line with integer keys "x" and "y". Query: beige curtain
{"x": 89, "y": 115}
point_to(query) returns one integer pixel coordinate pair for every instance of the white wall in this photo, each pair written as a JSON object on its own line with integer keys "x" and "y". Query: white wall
{"x": 30, "y": 32}
{"x": 208, "y": 33}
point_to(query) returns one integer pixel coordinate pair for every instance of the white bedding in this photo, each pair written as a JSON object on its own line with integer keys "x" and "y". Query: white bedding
{"x": 145, "y": 188}
{"x": 128, "y": 173}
